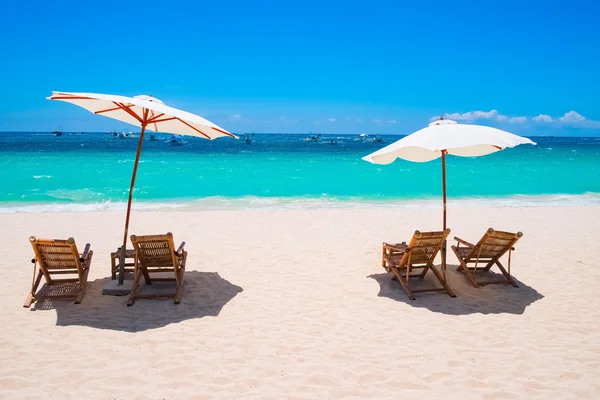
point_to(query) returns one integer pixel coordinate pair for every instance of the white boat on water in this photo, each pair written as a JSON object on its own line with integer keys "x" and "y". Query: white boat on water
{"x": 312, "y": 138}
{"x": 176, "y": 140}
{"x": 369, "y": 138}
{"x": 126, "y": 135}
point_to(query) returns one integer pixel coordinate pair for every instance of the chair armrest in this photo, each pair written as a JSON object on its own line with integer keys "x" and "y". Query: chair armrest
{"x": 459, "y": 240}
{"x": 85, "y": 253}
{"x": 179, "y": 250}
{"x": 400, "y": 247}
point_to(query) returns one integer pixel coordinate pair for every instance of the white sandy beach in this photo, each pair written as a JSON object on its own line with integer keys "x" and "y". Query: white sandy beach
{"x": 294, "y": 304}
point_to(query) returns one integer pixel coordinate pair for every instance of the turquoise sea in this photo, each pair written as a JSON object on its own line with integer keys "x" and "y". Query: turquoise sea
{"x": 87, "y": 171}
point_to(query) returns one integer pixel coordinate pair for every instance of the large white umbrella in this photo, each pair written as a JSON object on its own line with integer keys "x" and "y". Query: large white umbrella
{"x": 146, "y": 112}
{"x": 444, "y": 137}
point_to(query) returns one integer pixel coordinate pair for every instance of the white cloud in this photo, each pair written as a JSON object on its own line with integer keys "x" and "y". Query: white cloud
{"x": 352, "y": 119}
{"x": 517, "y": 120}
{"x": 237, "y": 116}
{"x": 572, "y": 117}
{"x": 331, "y": 119}
{"x": 472, "y": 116}
{"x": 543, "y": 118}
{"x": 388, "y": 122}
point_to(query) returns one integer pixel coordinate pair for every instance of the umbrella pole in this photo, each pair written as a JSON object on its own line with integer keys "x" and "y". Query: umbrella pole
{"x": 135, "y": 167}
{"x": 444, "y": 196}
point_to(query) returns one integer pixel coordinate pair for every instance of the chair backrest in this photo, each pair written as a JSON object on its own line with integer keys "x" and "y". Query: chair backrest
{"x": 56, "y": 256}
{"x": 494, "y": 244}
{"x": 424, "y": 246}
{"x": 155, "y": 251}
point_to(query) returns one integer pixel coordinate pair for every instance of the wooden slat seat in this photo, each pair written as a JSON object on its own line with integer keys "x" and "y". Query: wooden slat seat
{"x": 157, "y": 254}
{"x": 59, "y": 257}
{"x": 487, "y": 252}
{"x": 401, "y": 259}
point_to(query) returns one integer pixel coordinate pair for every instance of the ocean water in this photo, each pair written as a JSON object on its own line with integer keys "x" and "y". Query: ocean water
{"x": 89, "y": 171}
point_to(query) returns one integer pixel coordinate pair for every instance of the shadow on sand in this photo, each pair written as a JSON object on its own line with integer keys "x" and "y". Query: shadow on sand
{"x": 490, "y": 299}
{"x": 204, "y": 295}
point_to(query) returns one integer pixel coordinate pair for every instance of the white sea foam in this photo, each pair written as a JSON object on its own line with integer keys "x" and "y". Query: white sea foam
{"x": 84, "y": 207}
{"x": 42, "y": 176}
{"x": 324, "y": 202}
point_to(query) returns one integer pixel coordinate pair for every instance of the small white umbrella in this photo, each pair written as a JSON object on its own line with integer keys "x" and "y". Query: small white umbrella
{"x": 447, "y": 137}
{"x": 146, "y": 112}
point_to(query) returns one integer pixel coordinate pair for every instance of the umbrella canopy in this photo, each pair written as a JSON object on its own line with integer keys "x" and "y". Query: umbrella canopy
{"x": 446, "y": 137}
{"x": 146, "y": 112}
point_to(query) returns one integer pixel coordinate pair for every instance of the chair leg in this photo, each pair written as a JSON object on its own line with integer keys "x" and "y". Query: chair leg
{"x": 488, "y": 266}
{"x": 440, "y": 278}
{"x": 402, "y": 281}
{"x": 83, "y": 283}
{"x": 146, "y": 276}
{"x": 464, "y": 268}
{"x": 179, "y": 289}
{"x": 30, "y": 299}
{"x": 113, "y": 268}
{"x": 31, "y": 296}
{"x": 389, "y": 269}
{"x": 135, "y": 287}
{"x": 506, "y": 275}
{"x": 422, "y": 275}
{"x": 387, "y": 266}
{"x": 81, "y": 292}
{"x": 181, "y": 278}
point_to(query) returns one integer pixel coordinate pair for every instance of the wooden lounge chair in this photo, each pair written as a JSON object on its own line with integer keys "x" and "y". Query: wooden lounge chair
{"x": 156, "y": 254}
{"x": 401, "y": 259}
{"x": 59, "y": 257}
{"x": 487, "y": 252}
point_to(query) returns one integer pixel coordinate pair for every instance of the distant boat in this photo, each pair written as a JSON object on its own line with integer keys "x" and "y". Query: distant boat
{"x": 312, "y": 138}
{"x": 176, "y": 140}
{"x": 58, "y": 132}
{"x": 370, "y": 138}
{"x": 152, "y": 137}
{"x": 247, "y": 139}
{"x": 126, "y": 135}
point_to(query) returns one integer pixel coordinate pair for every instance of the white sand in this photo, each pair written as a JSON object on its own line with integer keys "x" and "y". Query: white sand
{"x": 294, "y": 304}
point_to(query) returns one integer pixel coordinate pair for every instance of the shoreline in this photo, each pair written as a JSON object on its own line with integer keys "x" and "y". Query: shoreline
{"x": 309, "y": 203}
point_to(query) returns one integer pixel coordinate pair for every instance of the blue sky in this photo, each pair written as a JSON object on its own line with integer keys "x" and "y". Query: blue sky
{"x": 299, "y": 66}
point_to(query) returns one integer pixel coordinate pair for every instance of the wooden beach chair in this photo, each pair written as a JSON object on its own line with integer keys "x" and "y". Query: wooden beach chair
{"x": 59, "y": 257}
{"x": 487, "y": 252}
{"x": 157, "y": 254}
{"x": 401, "y": 259}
